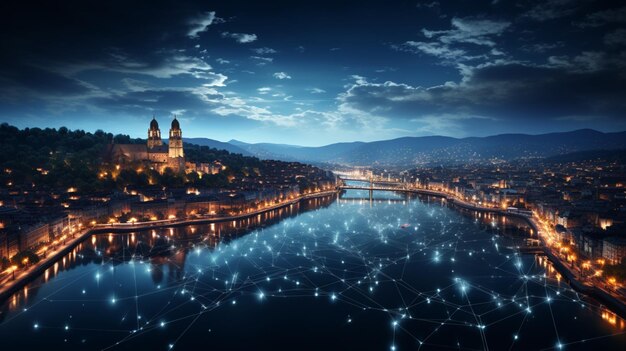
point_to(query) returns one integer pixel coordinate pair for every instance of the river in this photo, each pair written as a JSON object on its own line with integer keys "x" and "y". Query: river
{"x": 395, "y": 273}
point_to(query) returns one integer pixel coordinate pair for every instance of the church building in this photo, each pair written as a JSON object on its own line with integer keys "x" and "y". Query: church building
{"x": 160, "y": 156}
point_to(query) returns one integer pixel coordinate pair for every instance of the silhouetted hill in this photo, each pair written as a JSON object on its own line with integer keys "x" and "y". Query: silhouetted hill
{"x": 440, "y": 149}
{"x": 294, "y": 153}
{"x": 234, "y": 149}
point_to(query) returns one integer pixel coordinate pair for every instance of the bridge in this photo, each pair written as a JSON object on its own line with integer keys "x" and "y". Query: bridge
{"x": 384, "y": 185}
{"x": 372, "y": 180}
{"x": 377, "y": 187}
{"x": 392, "y": 186}
{"x": 365, "y": 199}
{"x": 530, "y": 246}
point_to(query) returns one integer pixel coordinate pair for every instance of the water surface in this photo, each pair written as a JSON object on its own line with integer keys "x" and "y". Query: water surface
{"x": 393, "y": 273}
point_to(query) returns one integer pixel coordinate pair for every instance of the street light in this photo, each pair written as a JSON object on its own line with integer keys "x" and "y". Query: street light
{"x": 13, "y": 269}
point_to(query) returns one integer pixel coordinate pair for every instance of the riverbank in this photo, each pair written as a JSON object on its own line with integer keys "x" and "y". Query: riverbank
{"x": 614, "y": 303}
{"x": 25, "y": 276}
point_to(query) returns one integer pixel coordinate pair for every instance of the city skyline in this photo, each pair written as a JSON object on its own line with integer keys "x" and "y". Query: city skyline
{"x": 316, "y": 74}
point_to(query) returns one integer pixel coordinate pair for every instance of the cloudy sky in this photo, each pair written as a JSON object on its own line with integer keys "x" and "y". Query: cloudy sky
{"x": 315, "y": 72}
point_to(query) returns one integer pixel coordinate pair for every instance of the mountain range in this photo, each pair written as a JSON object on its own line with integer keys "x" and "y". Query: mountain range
{"x": 430, "y": 149}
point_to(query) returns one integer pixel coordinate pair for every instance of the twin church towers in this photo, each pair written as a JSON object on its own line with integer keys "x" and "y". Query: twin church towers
{"x": 175, "y": 145}
{"x": 155, "y": 152}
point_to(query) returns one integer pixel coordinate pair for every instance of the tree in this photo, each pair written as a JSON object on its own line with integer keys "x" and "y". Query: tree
{"x": 24, "y": 258}
{"x": 618, "y": 271}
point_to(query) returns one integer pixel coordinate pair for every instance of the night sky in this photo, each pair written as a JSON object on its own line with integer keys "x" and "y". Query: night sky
{"x": 315, "y": 72}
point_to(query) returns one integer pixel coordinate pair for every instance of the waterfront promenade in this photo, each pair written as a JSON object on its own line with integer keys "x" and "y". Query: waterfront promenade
{"x": 590, "y": 284}
{"x": 53, "y": 254}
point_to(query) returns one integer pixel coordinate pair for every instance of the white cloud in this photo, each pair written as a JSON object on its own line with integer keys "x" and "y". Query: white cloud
{"x": 263, "y": 59}
{"x": 201, "y": 23}
{"x": 238, "y": 107}
{"x": 240, "y": 37}
{"x": 587, "y": 61}
{"x": 542, "y": 47}
{"x": 281, "y": 75}
{"x": 264, "y": 51}
{"x": 432, "y": 48}
{"x": 317, "y": 91}
{"x": 467, "y": 30}
{"x": 430, "y": 5}
{"x": 172, "y": 64}
{"x": 136, "y": 85}
{"x": 221, "y": 61}
{"x": 479, "y": 32}
{"x": 264, "y": 90}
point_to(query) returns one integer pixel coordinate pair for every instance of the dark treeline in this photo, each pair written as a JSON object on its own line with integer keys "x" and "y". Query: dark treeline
{"x": 61, "y": 158}
{"x": 51, "y": 158}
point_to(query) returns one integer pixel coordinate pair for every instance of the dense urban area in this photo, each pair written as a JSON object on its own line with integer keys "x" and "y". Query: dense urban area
{"x": 577, "y": 199}
{"x": 60, "y": 183}
{"x": 56, "y": 183}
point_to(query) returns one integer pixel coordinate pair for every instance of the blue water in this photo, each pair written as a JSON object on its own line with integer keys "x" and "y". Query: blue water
{"x": 397, "y": 272}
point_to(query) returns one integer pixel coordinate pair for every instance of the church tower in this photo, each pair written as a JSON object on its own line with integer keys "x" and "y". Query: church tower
{"x": 176, "y": 140}
{"x": 154, "y": 134}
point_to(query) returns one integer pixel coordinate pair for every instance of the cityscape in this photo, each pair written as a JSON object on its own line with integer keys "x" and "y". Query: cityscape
{"x": 405, "y": 175}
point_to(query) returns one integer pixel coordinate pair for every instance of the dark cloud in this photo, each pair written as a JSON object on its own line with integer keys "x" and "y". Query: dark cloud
{"x": 552, "y": 9}
{"x": 28, "y": 79}
{"x": 444, "y": 64}
{"x": 604, "y": 17}
{"x": 161, "y": 101}
{"x": 617, "y": 37}
{"x": 202, "y": 22}
{"x": 500, "y": 91}
{"x": 80, "y": 31}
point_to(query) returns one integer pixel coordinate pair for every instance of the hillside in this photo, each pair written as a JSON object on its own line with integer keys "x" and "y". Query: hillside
{"x": 219, "y": 145}
{"x": 440, "y": 149}
{"x": 35, "y": 158}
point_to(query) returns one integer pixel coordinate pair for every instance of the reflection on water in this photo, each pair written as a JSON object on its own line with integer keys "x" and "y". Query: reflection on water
{"x": 165, "y": 249}
{"x": 394, "y": 271}
{"x": 613, "y": 320}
